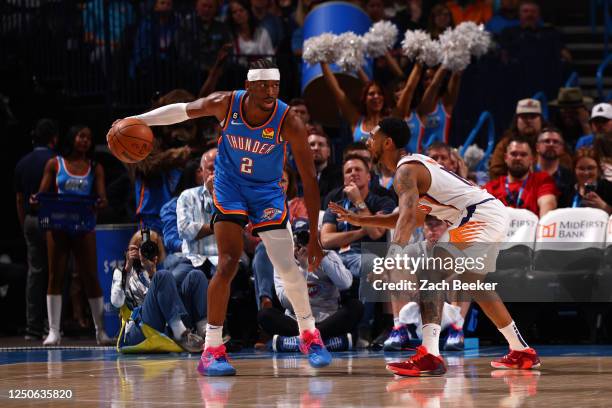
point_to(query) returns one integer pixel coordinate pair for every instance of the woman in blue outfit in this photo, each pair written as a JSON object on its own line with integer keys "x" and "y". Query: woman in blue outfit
{"x": 371, "y": 110}
{"x": 74, "y": 172}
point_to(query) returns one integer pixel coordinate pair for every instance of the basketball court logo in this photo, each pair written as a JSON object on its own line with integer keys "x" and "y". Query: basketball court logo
{"x": 268, "y": 133}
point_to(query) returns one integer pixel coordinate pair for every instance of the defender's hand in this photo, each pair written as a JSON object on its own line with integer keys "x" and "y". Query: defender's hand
{"x": 345, "y": 215}
{"x": 315, "y": 254}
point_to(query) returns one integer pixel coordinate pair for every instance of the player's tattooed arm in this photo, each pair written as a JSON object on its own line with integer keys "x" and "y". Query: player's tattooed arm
{"x": 406, "y": 187}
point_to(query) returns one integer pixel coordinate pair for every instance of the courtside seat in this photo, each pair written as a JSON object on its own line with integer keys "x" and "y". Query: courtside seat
{"x": 603, "y": 286}
{"x": 568, "y": 251}
{"x": 515, "y": 255}
{"x": 517, "y": 250}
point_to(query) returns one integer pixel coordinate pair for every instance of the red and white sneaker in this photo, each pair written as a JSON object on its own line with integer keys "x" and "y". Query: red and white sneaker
{"x": 521, "y": 360}
{"x": 422, "y": 364}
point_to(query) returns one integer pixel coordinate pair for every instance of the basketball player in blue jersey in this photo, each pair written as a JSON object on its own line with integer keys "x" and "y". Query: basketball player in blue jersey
{"x": 256, "y": 129}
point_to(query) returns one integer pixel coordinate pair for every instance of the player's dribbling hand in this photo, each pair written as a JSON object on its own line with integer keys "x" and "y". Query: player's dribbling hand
{"x": 345, "y": 215}
{"x": 315, "y": 254}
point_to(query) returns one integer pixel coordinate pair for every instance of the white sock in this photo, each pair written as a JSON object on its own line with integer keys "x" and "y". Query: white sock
{"x": 214, "y": 336}
{"x": 451, "y": 315}
{"x": 54, "y": 312}
{"x": 431, "y": 338}
{"x": 513, "y": 337}
{"x": 279, "y": 246}
{"x": 178, "y": 328}
{"x": 201, "y": 327}
{"x": 396, "y": 322}
{"x": 97, "y": 312}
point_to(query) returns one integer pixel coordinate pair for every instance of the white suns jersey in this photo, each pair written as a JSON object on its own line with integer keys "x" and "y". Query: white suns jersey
{"x": 449, "y": 194}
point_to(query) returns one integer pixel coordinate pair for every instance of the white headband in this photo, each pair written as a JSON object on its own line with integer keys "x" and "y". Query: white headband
{"x": 267, "y": 74}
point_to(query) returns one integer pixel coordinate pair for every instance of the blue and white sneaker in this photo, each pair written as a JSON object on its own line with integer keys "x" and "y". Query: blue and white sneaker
{"x": 285, "y": 344}
{"x": 455, "y": 339}
{"x": 312, "y": 345}
{"x": 340, "y": 343}
{"x": 398, "y": 340}
{"x": 214, "y": 362}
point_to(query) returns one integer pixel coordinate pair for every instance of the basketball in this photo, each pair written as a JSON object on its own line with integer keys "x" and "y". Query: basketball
{"x": 130, "y": 140}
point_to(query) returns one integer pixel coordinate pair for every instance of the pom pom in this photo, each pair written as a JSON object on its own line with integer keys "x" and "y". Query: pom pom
{"x": 351, "y": 48}
{"x": 418, "y": 45}
{"x": 455, "y": 50}
{"x": 477, "y": 38}
{"x": 322, "y": 48}
{"x": 380, "y": 38}
{"x": 473, "y": 155}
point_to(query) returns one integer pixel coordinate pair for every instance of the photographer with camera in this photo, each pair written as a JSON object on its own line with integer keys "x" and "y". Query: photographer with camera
{"x": 334, "y": 321}
{"x": 591, "y": 189}
{"x": 155, "y": 302}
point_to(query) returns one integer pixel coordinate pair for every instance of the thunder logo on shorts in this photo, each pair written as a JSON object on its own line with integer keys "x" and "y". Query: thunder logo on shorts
{"x": 249, "y": 167}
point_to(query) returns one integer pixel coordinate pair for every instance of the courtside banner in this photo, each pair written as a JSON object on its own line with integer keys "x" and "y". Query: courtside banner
{"x": 556, "y": 267}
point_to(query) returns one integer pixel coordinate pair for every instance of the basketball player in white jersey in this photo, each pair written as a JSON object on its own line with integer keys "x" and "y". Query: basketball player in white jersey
{"x": 473, "y": 215}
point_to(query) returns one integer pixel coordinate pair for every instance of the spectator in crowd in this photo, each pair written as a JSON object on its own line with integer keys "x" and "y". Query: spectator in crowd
{"x": 365, "y": 117}
{"x": 441, "y": 153}
{"x": 249, "y": 38}
{"x": 477, "y": 11}
{"x": 412, "y": 16}
{"x": 590, "y": 190}
{"x": 155, "y": 37}
{"x": 155, "y": 299}
{"x": 440, "y": 18}
{"x": 191, "y": 177}
{"x": 120, "y": 16}
{"x": 324, "y": 286}
{"x": 375, "y": 10}
{"x": 506, "y": 16}
{"x": 295, "y": 203}
{"x": 329, "y": 175}
{"x": 549, "y": 148}
{"x": 268, "y": 21}
{"x": 28, "y": 175}
{"x": 299, "y": 106}
{"x": 194, "y": 215}
{"x": 74, "y": 172}
{"x": 572, "y": 117}
{"x": 200, "y": 39}
{"x": 156, "y": 177}
{"x": 600, "y": 125}
{"x": 527, "y": 124}
{"x": 297, "y": 37}
{"x": 357, "y": 196}
{"x": 536, "y": 49}
{"x": 520, "y": 187}
{"x": 459, "y": 166}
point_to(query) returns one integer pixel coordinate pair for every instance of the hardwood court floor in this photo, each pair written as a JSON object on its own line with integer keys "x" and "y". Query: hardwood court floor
{"x": 102, "y": 379}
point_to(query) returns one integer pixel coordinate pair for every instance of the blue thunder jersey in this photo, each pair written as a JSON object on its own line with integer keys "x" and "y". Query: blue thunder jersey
{"x": 360, "y": 135}
{"x": 68, "y": 183}
{"x": 247, "y": 155}
{"x": 437, "y": 125}
{"x": 417, "y": 130}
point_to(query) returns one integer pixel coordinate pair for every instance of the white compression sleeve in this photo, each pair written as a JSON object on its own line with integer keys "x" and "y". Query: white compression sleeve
{"x": 165, "y": 115}
{"x": 279, "y": 246}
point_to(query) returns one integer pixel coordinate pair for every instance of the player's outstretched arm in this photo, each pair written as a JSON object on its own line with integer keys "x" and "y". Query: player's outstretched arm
{"x": 215, "y": 104}
{"x": 294, "y": 132}
{"x": 406, "y": 187}
{"x": 387, "y": 221}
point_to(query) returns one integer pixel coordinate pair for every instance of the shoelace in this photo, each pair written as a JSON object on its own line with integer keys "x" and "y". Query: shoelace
{"x": 218, "y": 353}
{"x": 420, "y": 353}
{"x": 291, "y": 342}
{"x": 334, "y": 343}
{"x": 307, "y": 340}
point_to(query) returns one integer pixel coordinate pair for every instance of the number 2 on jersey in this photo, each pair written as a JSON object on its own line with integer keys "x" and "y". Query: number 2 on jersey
{"x": 246, "y": 165}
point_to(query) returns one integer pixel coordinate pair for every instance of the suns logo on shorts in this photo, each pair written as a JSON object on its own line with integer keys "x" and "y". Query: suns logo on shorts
{"x": 270, "y": 213}
{"x": 268, "y": 133}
